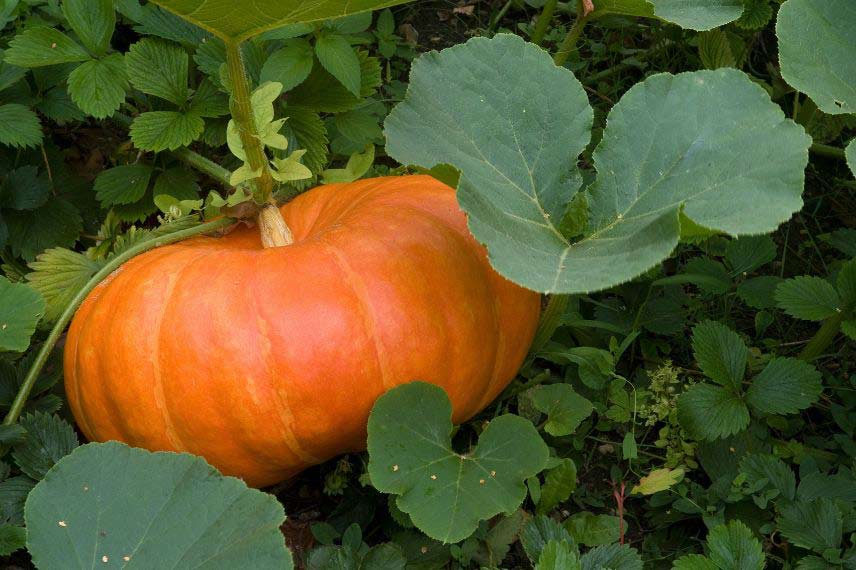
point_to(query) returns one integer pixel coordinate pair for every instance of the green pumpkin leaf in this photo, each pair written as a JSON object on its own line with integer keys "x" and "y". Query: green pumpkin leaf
{"x": 565, "y": 408}
{"x": 122, "y": 184}
{"x": 166, "y": 130}
{"x": 159, "y": 68}
{"x": 720, "y": 353}
{"x": 98, "y": 86}
{"x": 785, "y": 386}
{"x": 710, "y": 412}
{"x": 40, "y": 46}
{"x": 49, "y": 439}
{"x": 410, "y": 455}
{"x": 19, "y": 126}
{"x": 698, "y": 14}
{"x": 609, "y": 556}
{"x": 291, "y": 64}
{"x": 20, "y": 311}
{"x": 181, "y": 513}
{"x": 239, "y": 21}
{"x": 816, "y": 525}
{"x": 339, "y": 58}
{"x": 56, "y": 224}
{"x": 809, "y": 298}
{"x": 816, "y": 45}
{"x": 657, "y": 160}
{"x": 58, "y": 274}
{"x": 93, "y": 22}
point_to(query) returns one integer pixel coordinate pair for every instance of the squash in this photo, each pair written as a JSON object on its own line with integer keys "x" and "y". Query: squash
{"x": 267, "y": 360}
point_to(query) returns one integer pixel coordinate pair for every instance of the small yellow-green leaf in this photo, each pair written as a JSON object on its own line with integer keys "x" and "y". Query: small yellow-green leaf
{"x": 658, "y": 480}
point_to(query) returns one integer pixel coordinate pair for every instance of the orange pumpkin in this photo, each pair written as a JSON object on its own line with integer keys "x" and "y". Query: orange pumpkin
{"x": 268, "y": 360}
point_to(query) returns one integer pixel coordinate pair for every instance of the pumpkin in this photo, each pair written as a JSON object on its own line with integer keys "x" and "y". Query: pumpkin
{"x": 267, "y": 360}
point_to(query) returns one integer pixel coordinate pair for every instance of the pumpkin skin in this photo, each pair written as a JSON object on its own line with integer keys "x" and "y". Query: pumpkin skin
{"x": 267, "y": 361}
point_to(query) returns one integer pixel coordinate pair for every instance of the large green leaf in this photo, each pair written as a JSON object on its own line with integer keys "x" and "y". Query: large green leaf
{"x": 108, "y": 505}
{"x": 447, "y": 493}
{"x": 698, "y": 14}
{"x": 93, "y": 22}
{"x": 720, "y": 353}
{"x": 817, "y": 41}
{"x": 661, "y": 161}
{"x": 785, "y": 386}
{"x": 710, "y": 412}
{"x": 515, "y": 142}
{"x": 42, "y": 46}
{"x": 241, "y": 20}
{"x": 816, "y": 525}
{"x": 734, "y": 546}
{"x": 98, "y": 85}
{"x": 165, "y": 130}
{"x": 21, "y": 309}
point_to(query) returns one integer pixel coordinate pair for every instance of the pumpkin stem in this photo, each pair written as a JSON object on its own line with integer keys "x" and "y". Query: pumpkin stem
{"x": 274, "y": 231}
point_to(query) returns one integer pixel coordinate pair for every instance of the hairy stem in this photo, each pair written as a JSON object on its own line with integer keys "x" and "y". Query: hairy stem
{"x": 242, "y": 114}
{"x": 551, "y": 318}
{"x": 543, "y": 22}
{"x": 823, "y": 337}
{"x": 828, "y": 151}
{"x": 569, "y": 44}
{"x": 202, "y": 164}
{"x": 111, "y": 266}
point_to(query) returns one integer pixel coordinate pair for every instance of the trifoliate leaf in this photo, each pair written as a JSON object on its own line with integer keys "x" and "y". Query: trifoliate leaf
{"x": 565, "y": 408}
{"x": 538, "y": 532}
{"x": 698, "y": 14}
{"x": 291, "y": 64}
{"x": 816, "y": 525}
{"x": 324, "y": 93}
{"x": 816, "y": 44}
{"x": 159, "y": 68}
{"x": 242, "y": 21}
{"x": 710, "y": 412}
{"x": 98, "y": 86}
{"x": 56, "y": 224}
{"x": 558, "y": 556}
{"x": 24, "y": 188}
{"x": 12, "y": 538}
{"x": 748, "y": 253}
{"x": 122, "y": 184}
{"x": 734, "y": 546}
{"x": 764, "y": 470}
{"x": 19, "y": 126}
{"x": 39, "y": 46}
{"x": 181, "y": 514}
{"x": 340, "y": 60}
{"x": 20, "y": 311}
{"x": 658, "y": 480}
{"x": 165, "y": 130}
{"x": 785, "y": 386}
{"x": 759, "y": 292}
{"x": 721, "y": 353}
{"x": 410, "y": 455}
{"x": 647, "y": 179}
{"x": 809, "y": 298}
{"x": 49, "y": 439}
{"x": 756, "y": 15}
{"x": 58, "y": 274}
{"x": 559, "y": 484}
{"x": 590, "y": 529}
{"x": 93, "y": 22}
{"x": 612, "y": 556}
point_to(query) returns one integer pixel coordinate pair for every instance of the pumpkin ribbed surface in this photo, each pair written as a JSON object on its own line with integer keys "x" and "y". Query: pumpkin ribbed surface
{"x": 266, "y": 361}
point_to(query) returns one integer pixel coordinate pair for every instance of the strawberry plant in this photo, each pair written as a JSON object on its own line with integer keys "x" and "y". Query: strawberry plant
{"x": 411, "y": 285}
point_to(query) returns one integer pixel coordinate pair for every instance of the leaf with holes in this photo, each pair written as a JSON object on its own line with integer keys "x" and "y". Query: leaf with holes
{"x": 239, "y": 20}
{"x": 181, "y": 514}
{"x": 410, "y": 455}
{"x": 816, "y": 45}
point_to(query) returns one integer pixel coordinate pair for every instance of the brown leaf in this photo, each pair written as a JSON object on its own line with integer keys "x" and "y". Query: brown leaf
{"x": 411, "y": 36}
{"x": 588, "y": 7}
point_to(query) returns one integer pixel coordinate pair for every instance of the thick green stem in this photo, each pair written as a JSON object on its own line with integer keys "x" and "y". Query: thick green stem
{"x": 569, "y": 44}
{"x": 823, "y": 337}
{"x": 242, "y": 114}
{"x": 828, "y": 151}
{"x": 111, "y": 266}
{"x": 551, "y": 318}
{"x": 543, "y": 22}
